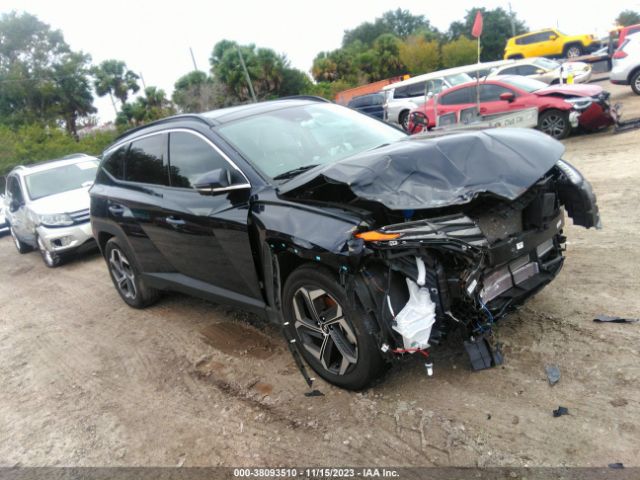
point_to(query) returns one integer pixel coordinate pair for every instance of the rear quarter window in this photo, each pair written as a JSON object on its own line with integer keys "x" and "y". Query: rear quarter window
{"x": 114, "y": 162}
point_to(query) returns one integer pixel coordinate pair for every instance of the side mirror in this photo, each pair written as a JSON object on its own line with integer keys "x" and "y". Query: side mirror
{"x": 218, "y": 178}
{"x": 14, "y": 205}
{"x": 540, "y": 71}
{"x": 553, "y": 37}
{"x": 507, "y": 97}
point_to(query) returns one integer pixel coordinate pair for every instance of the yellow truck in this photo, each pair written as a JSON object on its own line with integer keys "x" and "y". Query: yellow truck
{"x": 549, "y": 43}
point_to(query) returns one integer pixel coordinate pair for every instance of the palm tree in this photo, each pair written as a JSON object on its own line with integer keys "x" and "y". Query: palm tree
{"x": 113, "y": 78}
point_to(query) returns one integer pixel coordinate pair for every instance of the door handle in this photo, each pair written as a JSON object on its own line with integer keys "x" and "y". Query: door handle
{"x": 175, "y": 222}
{"x": 116, "y": 210}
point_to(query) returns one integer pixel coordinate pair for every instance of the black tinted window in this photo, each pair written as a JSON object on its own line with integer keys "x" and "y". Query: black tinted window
{"x": 509, "y": 71}
{"x": 146, "y": 160}
{"x": 400, "y": 92}
{"x": 458, "y": 97}
{"x": 114, "y": 162}
{"x": 190, "y": 157}
{"x": 527, "y": 70}
{"x": 491, "y": 93}
{"x": 416, "y": 90}
{"x": 14, "y": 190}
{"x": 525, "y": 40}
{"x": 356, "y": 102}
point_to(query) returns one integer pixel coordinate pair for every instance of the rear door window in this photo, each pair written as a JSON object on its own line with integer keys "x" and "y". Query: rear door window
{"x": 491, "y": 93}
{"x": 458, "y": 97}
{"x": 114, "y": 162}
{"x": 147, "y": 160}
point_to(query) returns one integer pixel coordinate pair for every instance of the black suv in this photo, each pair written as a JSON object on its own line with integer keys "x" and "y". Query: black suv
{"x": 362, "y": 243}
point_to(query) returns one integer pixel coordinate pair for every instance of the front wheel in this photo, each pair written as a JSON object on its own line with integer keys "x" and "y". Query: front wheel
{"x": 49, "y": 258}
{"x": 635, "y": 83}
{"x": 554, "y": 123}
{"x": 20, "y": 245}
{"x": 332, "y": 335}
{"x": 126, "y": 277}
{"x": 404, "y": 120}
{"x": 573, "y": 51}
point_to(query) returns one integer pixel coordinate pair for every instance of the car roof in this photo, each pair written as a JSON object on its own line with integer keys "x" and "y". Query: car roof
{"x": 535, "y": 31}
{"x": 49, "y": 164}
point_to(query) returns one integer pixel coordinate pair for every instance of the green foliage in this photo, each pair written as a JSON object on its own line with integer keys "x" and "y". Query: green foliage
{"x": 400, "y": 23}
{"x": 497, "y": 29}
{"x": 34, "y": 143}
{"x": 628, "y": 17}
{"x": 462, "y": 51}
{"x": 197, "y": 92}
{"x": 420, "y": 55}
{"x": 42, "y": 80}
{"x": 154, "y": 105}
{"x": 113, "y": 78}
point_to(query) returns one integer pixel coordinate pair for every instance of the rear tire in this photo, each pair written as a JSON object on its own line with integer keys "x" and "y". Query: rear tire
{"x": 403, "y": 118}
{"x": 332, "y": 335}
{"x": 126, "y": 277}
{"x": 517, "y": 56}
{"x": 572, "y": 51}
{"x": 554, "y": 123}
{"x": 20, "y": 245}
{"x": 635, "y": 82}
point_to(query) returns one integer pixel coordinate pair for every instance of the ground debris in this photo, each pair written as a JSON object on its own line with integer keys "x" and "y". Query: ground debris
{"x": 608, "y": 319}
{"x": 553, "y": 374}
{"x": 561, "y": 411}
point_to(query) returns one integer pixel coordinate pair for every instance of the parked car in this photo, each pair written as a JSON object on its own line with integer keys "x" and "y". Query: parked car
{"x": 560, "y": 107}
{"x": 549, "y": 43}
{"x": 361, "y": 243}
{"x": 47, "y": 207}
{"x": 626, "y": 31}
{"x": 626, "y": 63}
{"x": 546, "y": 70}
{"x": 4, "y": 225}
{"x": 402, "y": 97}
{"x": 371, "y": 104}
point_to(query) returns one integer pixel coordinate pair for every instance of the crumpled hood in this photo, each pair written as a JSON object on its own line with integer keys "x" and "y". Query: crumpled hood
{"x": 577, "y": 90}
{"x": 65, "y": 202}
{"x": 452, "y": 169}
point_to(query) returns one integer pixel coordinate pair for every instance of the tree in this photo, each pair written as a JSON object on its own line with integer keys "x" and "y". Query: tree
{"x": 628, "y": 17}
{"x": 419, "y": 55}
{"x": 497, "y": 30}
{"x": 72, "y": 96}
{"x": 386, "y": 49}
{"x": 195, "y": 92}
{"x": 462, "y": 51}
{"x": 400, "y": 23}
{"x": 152, "y": 106}
{"x": 112, "y": 78}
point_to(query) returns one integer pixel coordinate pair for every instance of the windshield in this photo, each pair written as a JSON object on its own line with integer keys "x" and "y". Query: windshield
{"x": 524, "y": 83}
{"x": 61, "y": 179}
{"x": 293, "y": 138}
{"x": 457, "y": 79}
{"x": 546, "y": 63}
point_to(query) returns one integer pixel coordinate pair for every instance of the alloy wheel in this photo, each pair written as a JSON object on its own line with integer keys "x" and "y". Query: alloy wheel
{"x": 324, "y": 331}
{"x": 554, "y": 125}
{"x": 122, "y": 273}
{"x": 573, "y": 52}
{"x": 637, "y": 83}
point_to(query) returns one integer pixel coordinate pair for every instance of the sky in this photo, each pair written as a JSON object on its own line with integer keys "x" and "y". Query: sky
{"x": 153, "y": 37}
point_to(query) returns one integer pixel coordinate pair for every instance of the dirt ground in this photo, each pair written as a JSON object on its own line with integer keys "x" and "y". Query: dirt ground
{"x": 87, "y": 381}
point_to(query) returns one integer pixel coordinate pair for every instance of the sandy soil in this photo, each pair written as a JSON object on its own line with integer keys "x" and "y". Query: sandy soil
{"x": 88, "y": 381}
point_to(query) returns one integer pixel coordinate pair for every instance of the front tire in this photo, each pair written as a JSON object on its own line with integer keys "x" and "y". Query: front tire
{"x": 572, "y": 51}
{"x": 126, "y": 277}
{"x": 49, "y": 258}
{"x": 635, "y": 83}
{"x": 554, "y": 123}
{"x": 20, "y": 245}
{"x": 332, "y": 335}
{"x": 404, "y": 120}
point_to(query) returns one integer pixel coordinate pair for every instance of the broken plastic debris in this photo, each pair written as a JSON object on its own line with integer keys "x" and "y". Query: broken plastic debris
{"x": 553, "y": 374}
{"x": 616, "y": 465}
{"x": 608, "y": 319}
{"x": 314, "y": 393}
{"x": 481, "y": 354}
{"x": 561, "y": 411}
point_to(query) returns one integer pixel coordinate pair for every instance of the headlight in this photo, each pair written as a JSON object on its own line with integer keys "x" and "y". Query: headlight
{"x": 580, "y": 103}
{"x": 55, "y": 220}
{"x": 571, "y": 173}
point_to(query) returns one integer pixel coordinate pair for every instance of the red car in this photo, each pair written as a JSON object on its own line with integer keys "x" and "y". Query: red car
{"x": 560, "y": 107}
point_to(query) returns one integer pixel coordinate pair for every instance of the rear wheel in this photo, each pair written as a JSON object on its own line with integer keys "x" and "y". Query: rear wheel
{"x": 572, "y": 51}
{"x": 517, "y": 56}
{"x": 404, "y": 120}
{"x": 635, "y": 82}
{"x": 50, "y": 259}
{"x": 20, "y": 245}
{"x": 554, "y": 123}
{"x": 126, "y": 277}
{"x": 332, "y": 335}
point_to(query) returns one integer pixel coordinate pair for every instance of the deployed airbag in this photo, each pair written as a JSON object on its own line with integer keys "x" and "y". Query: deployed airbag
{"x": 447, "y": 170}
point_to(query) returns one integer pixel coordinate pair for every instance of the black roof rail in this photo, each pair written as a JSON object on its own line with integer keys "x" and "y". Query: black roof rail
{"x": 191, "y": 116}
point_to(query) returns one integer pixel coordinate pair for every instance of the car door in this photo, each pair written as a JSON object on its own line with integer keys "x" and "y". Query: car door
{"x": 16, "y": 212}
{"x": 205, "y": 233}
{"x": 453, "y": 101}
{"x": 490, "y": 103}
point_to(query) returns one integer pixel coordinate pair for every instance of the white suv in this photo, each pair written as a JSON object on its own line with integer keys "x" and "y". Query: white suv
{"x": 626, "y": 63}
{"x": 47, "y": 206}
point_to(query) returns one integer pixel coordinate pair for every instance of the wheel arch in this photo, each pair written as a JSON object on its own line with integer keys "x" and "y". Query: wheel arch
{"x": 632, "y": 73}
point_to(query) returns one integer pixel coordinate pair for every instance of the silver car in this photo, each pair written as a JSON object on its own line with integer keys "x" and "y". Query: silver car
{"x": 545, "y": 70}
{"x": 47, "y": 206}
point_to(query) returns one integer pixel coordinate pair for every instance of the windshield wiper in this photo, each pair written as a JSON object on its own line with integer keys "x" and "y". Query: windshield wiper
{"x": 295, "y": 171}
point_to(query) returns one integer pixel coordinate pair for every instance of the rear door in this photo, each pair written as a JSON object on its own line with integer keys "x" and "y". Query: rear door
{"x": 204, "y": 235}
{"x": 490, "y": 102}
{"x": 452, "y": 101}
{"x": 17, "y": 211}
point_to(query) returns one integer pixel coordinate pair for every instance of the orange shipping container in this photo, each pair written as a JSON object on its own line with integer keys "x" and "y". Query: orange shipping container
{"x": 345, "y": 96}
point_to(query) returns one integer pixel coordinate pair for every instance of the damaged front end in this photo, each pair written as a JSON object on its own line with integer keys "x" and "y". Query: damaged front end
{"x": 461, "y": 254}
